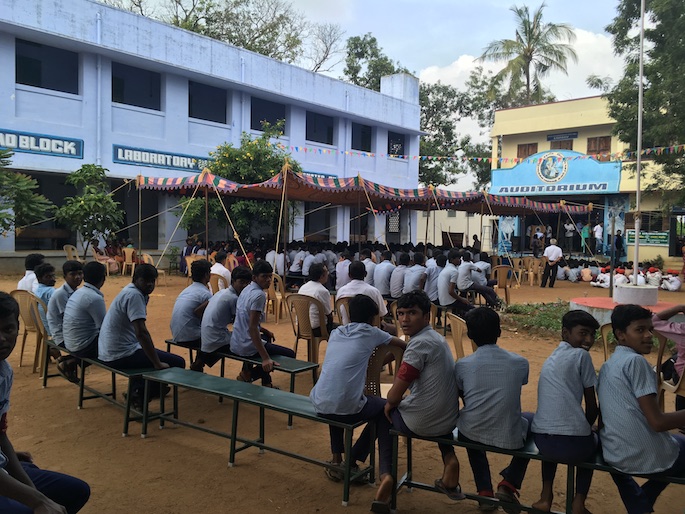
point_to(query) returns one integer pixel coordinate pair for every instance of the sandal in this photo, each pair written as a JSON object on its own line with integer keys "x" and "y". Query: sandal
{"x": 453, "y": 493}
{"x": 509, "y": 495}
{"x": 336, "y": 475}
{"x": 380, "y": 507}
{"x": 243, "y": 377}
{"x": 67, "y": 369}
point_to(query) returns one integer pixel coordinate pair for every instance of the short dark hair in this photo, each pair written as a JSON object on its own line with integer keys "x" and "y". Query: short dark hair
{"x": 261, "y": 267}
{"x": 365, "y": 253}
{"x": 199, "y": 269}
{"x": 70, "y": 266}
{"x": 419, "y": 258}
{"x": 8, "y": 306}
{"x": 94, "y": 272}
{"x": 220, "y": 257}
{"x": 483, "y": 326}
{"x": 32, "y": 260}
{"x": 416, "y": 298}
{"x": 441, "y": 260}
{"x": 453, "y": 254}
{"x": 241, "y": 273}
{"x": 43, "y": 269}
{"x": 145, "y": 272}
{"x": 387, "y": 255}
{"x": 623, "y": 315}
{"x": 404, "y": 259}
{"x": 577, "y": 318}
{"x": 362, "y": 309}
{"x": 357, "y": 270}
{"x": 316, "y": 271}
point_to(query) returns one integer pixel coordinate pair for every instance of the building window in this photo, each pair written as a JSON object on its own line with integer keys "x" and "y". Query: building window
{"x": 46, "y": 67}
{"x": 451, "y": 214}
{"x": 566, "y": 144}
{"x": 396, "y": 144}
{"x": 266, "y": 111}
{"x": 361, "y": 137}
{"x": 526, "y": 150}
{"x": 599, "y": 146}
{"x": 136, "y": 86}
{"x": 320, "y": 128}
{"x": 206, "y": 102}
{"x": 394, "y": 222}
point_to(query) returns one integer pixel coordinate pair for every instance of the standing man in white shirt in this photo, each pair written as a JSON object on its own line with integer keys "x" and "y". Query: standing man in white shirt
{"x": 569, "y": 231}
{"x": 218, "y": 268}
{"x": 598, "y": 231}
{"x": 554, "y": 255}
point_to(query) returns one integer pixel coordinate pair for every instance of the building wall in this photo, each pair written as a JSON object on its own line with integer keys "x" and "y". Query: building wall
{"x": 102, "y": 35}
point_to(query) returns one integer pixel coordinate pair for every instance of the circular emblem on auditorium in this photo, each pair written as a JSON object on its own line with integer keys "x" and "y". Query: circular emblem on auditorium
{"x": 552, "y": 167}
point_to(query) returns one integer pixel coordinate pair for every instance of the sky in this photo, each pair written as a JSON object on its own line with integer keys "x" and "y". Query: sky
{"x": 439, "y": 40}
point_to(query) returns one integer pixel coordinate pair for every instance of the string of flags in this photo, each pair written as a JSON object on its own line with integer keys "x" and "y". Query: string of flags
{"x": 618, "y": 156}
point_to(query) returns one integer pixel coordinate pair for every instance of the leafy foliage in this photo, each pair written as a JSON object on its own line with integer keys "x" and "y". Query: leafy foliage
{"x": 93, "y": 213}
{"x": 19, "y": 203}
{"x": 664, "y": 92}
{"x": 256, "y": 160}
{"x": 541, "y": 315}
{"x": 538, "y": 48}
{"x": 365, "y": 62}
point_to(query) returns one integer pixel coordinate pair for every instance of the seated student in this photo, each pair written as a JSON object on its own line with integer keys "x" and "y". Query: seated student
{"x": 25, "y": 488}
{"x": 448, "y": 294}
{"x": 318, "y": 276}
{"x": 634, "y": 433}
{"x": 247, "y": 331}
{"x": 186, "y": 317}
{"x": 674, "y": 331}
{"x": 369, "y": 264}
{"x": 427, "y": 370}
{"x": 45, "y": 275}
{"x": 218, "y": 268}
{"x": 466, "y": 283}
{"x": 84, "y": 314}
{"x": 431, "y": 275}
{"x": 339, "y": 392}
{"x": 382, "y": 273}
{"x": 397, "y": 275}
{"x": 102, "y": 257}
{"x": 342, "y": 270}
{"x": 358, "y": 286}
{"x": 220, "y": 312}
{"x": 125, "y": 341}
{"x": 29, "y": 281}
{"x": 562, "y": 431}
{"x": 489, "y": 383}
{"x": 73, "y": 276}
{"x": 415, "y": 276}
{"x": 671, "y": 281}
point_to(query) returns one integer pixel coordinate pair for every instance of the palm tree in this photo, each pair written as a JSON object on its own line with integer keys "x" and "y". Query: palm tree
{"x": 539, "y": 48}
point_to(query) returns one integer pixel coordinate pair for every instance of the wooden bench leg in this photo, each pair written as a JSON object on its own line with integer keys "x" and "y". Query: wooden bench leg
{"x": 127, "y": 407}
{"x": 234, "y": 433}
{"x": 46, "y": 362}
{"x": 261, "y": 428}
{"x": 292, "y": 390}
{"x": 146, "y": 408}
{"x": 394, "y": 471}
{"x": 348, "y": 464}
{"x": 82, "y": 384}
{"x": 570, "y": 487}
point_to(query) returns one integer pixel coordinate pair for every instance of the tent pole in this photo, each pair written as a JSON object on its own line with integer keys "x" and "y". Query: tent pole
{"x": 206, "y": 222}
{"x": 428, "y": 209}
{"x": 285, "y": 224}
{"x": 359, "y": 222}
{"x": 140, "y": 220}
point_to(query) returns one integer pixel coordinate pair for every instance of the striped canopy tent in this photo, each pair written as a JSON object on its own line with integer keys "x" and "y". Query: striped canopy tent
{"x": 484, "y": 203}
{"x": 204, "y": 180}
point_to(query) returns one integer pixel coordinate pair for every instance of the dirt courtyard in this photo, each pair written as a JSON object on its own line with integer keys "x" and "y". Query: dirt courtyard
{"x": 179, "y": 470}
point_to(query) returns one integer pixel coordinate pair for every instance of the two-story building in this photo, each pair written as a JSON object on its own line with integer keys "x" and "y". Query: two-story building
{"x": 87, "y": 83}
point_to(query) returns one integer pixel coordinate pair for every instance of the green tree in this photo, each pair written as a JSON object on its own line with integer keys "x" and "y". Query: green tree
{"x": 365, "y": 62}
{"x": 92, "y": 213}
{"x": 538, "y": 48}
{"x": 256, "y": 159}
{"x": 19, "y": 203}
{"x": 664, "y": 91}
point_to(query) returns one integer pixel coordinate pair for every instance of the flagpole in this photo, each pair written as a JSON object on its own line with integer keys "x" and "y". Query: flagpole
{"x": 640, "y": 99}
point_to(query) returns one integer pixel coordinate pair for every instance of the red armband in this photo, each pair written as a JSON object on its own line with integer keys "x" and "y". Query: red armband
{"x": 3, "y": 423}
{"x": 408, "y": 373}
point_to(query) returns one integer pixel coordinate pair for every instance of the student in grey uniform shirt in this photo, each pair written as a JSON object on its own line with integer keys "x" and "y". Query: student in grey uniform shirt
{"x": 397, "y": 276}
{"x": 383, "y": 272}
{"x": 634, "y": 435}
{"x": 561, "y": 429}
{"x": 490, "y": 382}
{"x": 427, "y": 370}
{"x": 186, "y": 317}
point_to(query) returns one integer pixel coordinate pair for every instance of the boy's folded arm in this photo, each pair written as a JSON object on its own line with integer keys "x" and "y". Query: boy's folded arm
{"x": 658, "y": 420}
{"x": 591, "y": 408}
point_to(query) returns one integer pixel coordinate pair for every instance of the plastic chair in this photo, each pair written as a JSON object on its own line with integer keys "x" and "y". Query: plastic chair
{"x": 231, "y": 262}
{"x": 30, "y": 316}
{"x": 504, "y": 276}
{"x": 275, "y": 297}
{"x": 605, "y": 330}
{"x": 214, "y": 280}
{"x": 298, "y": 309}
{"x": 342, "y": 309}
{"x": 129, "y": 260}
{"x": 535, "y": 271}
{"x": 495, "y": 260}
{"x": 665, "y": 385}
{"x": 458, "y": 329}
{"x": 147, "y": 259}
{"x": 374, "y": 386}
{"x": 189, "y": 261}
{"x": 392, "y": 309}
{"x": 519, "y": 268}
{"x": 72, "y": 253}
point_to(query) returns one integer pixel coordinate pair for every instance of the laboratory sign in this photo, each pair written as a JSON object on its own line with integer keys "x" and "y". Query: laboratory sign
{"x": 43, "y": 144}
{"x": 155, "y": 159}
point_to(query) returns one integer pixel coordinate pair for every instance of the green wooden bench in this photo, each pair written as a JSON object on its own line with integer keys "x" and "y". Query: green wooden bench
{"x": 529, "y": 451}
{"x": 50, "y": 344}
{"x": 263, "y": 397}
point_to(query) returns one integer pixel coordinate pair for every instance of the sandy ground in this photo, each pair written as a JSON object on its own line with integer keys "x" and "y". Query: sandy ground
{"x": 179, "y": 470}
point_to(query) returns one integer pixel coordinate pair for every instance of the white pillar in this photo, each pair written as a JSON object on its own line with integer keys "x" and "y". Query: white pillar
{"x": 296, "y": 231}
{"x": 167, "y": 222}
